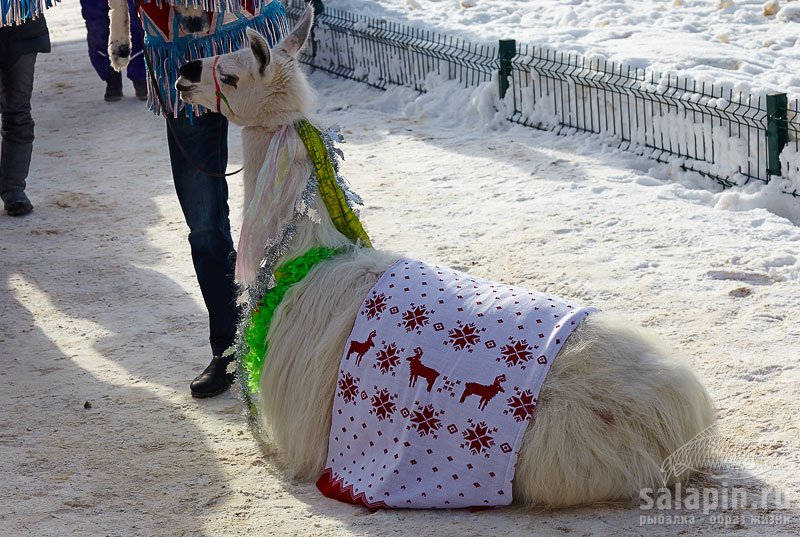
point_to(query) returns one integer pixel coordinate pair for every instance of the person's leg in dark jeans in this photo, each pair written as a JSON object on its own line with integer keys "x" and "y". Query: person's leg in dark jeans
{"x": 204, "y": 200}
{"x": 16, "y": 86}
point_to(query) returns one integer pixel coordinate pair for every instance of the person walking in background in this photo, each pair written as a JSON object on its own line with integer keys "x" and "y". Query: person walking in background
{"x": 95, "y": 14}
{"x": 23, "y": 34}
{"x": 198, "y": 144}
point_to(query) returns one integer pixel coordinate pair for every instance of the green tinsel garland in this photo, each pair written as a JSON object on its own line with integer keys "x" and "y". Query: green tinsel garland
{"x": 286, "y": 275}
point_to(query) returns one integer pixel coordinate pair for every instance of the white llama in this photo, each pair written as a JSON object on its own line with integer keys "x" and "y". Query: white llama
{"x": 613, "y": 406}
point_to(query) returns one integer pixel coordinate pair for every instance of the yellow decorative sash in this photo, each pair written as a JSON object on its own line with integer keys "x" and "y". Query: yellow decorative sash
{"x": 345, "y": 220}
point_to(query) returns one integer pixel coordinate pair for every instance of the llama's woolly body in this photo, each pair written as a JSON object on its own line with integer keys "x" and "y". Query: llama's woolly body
{"x": 614, "y": 404}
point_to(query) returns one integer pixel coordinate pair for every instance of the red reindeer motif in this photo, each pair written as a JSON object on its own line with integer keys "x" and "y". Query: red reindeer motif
{"x": 420, "y": 370}
{"x": 485, "y": 392}
{"x": 361, "y": 347}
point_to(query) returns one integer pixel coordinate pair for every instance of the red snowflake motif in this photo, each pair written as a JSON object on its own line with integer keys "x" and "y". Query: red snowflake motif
{"x": 415, "y": 318}
{"x": 375, "y": 305}
{"x": 515, "y": 353}
{"x": 426, "y": 420}
{"x": 382, "y": 405}
{"x": 478, "y": 438}
{"x": 464, "y": 337}
{"x": 348, "y": 387}
{"x": 388, "y": 358}
{"x": 521, "y": 405}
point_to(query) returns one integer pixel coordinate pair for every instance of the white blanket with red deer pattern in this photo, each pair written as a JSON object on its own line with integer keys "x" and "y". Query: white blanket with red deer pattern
{"x": 437, "y": 382}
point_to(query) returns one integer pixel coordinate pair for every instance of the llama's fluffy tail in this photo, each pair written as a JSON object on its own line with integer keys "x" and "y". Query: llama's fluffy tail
{"x": 119, "y": 37}
{"x": 614, "y": 407}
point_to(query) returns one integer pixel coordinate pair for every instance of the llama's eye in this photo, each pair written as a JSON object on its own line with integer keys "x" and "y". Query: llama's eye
{"x": 230, "y": 80}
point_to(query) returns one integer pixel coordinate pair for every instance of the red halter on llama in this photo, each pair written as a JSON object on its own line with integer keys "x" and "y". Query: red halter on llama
{"x": 452, "y": 440}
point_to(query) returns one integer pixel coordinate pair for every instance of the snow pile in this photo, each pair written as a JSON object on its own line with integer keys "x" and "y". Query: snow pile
{"x": 709, "y": 141}
{"x": 744, "y": 45}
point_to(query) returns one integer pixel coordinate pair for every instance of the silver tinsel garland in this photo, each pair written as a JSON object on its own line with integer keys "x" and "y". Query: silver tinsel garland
{"x": 279, "y": 244}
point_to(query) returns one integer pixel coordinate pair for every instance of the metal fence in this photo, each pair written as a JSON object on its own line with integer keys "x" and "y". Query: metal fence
{"x": 790, "y": 154}
{"x": 730, "y": 137}
{"x": 382, "y": 53}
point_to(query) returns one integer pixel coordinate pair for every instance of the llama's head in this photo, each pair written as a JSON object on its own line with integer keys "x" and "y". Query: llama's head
{"x": 254, "y": 86}
{"x": 499, "y": 380}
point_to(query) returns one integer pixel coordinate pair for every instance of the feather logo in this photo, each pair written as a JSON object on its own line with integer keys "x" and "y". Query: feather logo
{"x": 714, "y": 455}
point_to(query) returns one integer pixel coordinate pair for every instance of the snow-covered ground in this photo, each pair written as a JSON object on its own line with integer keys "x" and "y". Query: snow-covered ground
{"x": 100, "y": 306}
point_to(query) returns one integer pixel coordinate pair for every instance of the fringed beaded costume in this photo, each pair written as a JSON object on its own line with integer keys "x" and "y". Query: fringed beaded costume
{"x": 169, "y": 45}
{"x": 15, "y": 12}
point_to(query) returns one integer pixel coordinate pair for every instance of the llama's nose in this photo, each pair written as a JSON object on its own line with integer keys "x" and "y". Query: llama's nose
{"x": 191, "y": 71}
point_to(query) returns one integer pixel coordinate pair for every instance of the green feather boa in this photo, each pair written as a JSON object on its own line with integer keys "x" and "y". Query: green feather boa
{"x": 286, "y": 275}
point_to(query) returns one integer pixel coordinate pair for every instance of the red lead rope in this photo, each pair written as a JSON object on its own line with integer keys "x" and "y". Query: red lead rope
{"x": 217, "y": 91}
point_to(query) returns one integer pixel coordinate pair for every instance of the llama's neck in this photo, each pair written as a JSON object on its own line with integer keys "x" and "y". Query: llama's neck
{"x": 312, "y": 231}
{"x": 255, "y": 141}
{"x": 311, "y": 234}
{"x": 288, "y": 98}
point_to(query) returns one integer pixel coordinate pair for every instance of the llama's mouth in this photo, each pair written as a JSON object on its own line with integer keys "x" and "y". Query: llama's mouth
{"x": 185, "y": 90}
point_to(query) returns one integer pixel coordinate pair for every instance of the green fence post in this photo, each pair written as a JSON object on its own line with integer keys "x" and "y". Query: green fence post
{"x": 319, "y": 9}
{"x": 507, "y": 50}
{"x": 777, "y": 131}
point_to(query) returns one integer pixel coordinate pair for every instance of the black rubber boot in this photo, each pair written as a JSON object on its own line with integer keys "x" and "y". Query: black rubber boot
{"x": 140, "y": 86}
{"x": 214, "y": 379}
{"x": 113, "y": 87}
{"x": 15, "y": 161}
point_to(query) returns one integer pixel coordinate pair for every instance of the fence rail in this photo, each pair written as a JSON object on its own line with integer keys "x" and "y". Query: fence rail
{"x": 730, "y": 137}
{"x": 665, "y": 118}
{"x": 382, "y": 53}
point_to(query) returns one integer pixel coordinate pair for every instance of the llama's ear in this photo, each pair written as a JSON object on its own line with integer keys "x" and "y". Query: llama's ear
{"x": 293, "y": 42}
{"x": 260, "y": 49}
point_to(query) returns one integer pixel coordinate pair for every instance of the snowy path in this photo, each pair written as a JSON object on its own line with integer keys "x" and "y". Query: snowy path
{"x": 99, "y": 304}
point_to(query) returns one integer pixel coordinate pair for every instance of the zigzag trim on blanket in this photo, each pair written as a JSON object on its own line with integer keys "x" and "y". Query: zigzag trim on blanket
{"x": 168, "y": 56}
{"x": 330, "y": 485}
{"x": 15, "y": 12}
